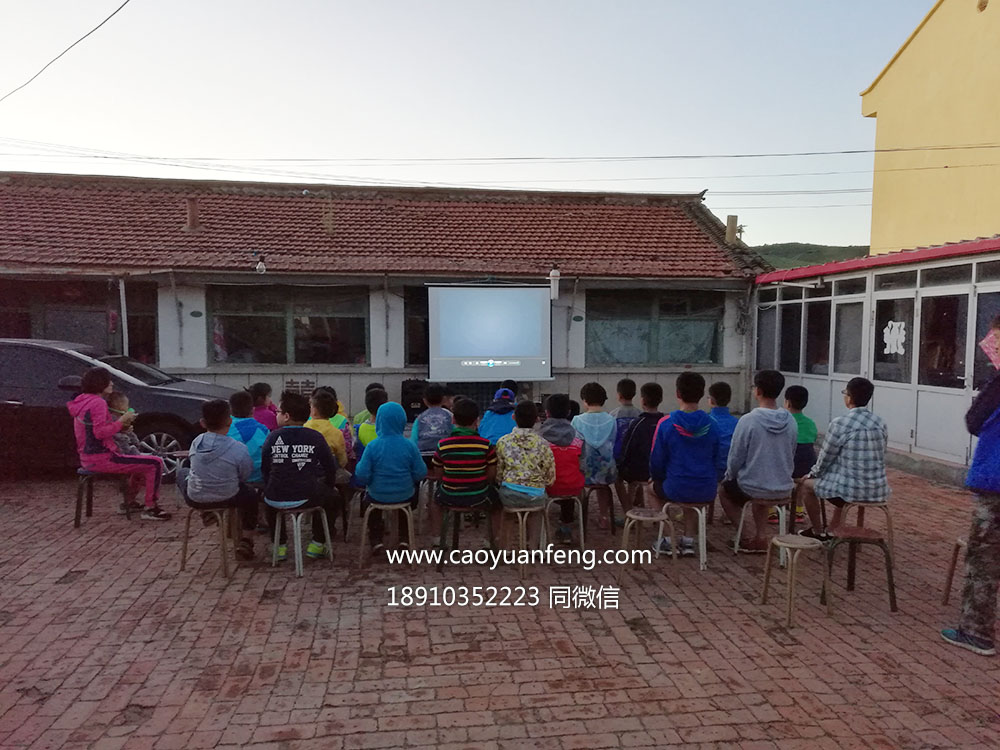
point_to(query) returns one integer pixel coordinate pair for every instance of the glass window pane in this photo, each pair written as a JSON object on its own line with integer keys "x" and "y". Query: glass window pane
{"x": 943, "y": 325}
{"x": 767, "y": 295}
{"x": 904, "y": 280}
{"x": 249, "y": 339}
{"x": 416, "y": 330}
{"x": 240, "y": 299}
{"x": 820, "y": 291}
{"x": 988, "y": 271}
{"x": 988, "y": 308}
{"x": 791, "y": 338}
{"x": 766, "y": 338}
{"x": 893, "y": 345}
{"x": 322, "y": 340}
{"x": 850, "y": 286}
{"x": 791, "y": 292}
{"x": 847, "y": 347}
{"x": 946, "y": 275}
{"x": 818, "y": 338}
{"x": 340, "y": 301}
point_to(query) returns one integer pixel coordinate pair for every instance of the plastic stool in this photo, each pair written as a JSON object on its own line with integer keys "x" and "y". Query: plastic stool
{"x": 703, "y": 510}
{"x": 85, "y": 487}
{"x": 854, "y": 536}
{"x": 224, "y": 518}
{"x": 522, "y": 527}
{"x": 637, "y": 516}
{"x": 454, "y": 514}
{"x": 862, "y": 507}
{"x": 783, "y": 506}
{"x": 795, "y": 545}
{"x": 384, "y": 508}
{"x": 581, "y": 516}
{"x": 611, "y": 503}
{"x": 297, "y": 514}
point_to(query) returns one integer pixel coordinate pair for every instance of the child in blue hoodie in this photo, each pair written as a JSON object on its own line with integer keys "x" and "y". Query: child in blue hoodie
{"x": 391, "y": 468}
{"x": 597, "y": 428}
{"x": 719, "y": 396}
{"x": 686, "y": 459}
{"x": 247, "y": 430}
{"x": 498, "y": 420}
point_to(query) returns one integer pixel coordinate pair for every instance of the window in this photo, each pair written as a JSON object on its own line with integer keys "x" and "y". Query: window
{"x": 988, "y": 271}
{"x": 818, "y": 338}
{"x": 819, "y": 291}
{"x": 791, "y": 292}
{"x": 140, "y": 304}
{"x": 649, "y": 327}
{"x": 893, "y": 340}
{"x": 850, "y": 286}
{"x": 415, "y": 310}
{"x": 903, "y": 280}
{"x": 766, "y": 338}
{"x": 769, "y": 294}
{"x": 791, "y": 338}
{"x": 847, "y": 347}
{"x": 946, "y": 275}
{"x": 988, "y": 308}
{"x": 943, "y": 325}
{"x": 285, "y": 325}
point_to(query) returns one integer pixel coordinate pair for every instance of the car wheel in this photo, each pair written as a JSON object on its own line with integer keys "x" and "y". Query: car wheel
{"x": 162, "y": 440}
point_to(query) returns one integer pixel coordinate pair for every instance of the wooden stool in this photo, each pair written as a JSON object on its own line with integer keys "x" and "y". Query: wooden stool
{"x": 85, "y": 488}
{"x": 703, "y": 510}
{"x": 581, "y": 516}
{"x": 454, "y": 514}
{"x": 782, "y": 505}
{"x": 855, "y": 535}
{"x": 297, "y": 514}
{"x": 224, "y": 517}
{"x": 611, "y": 503}
{"x": 794, "y": 545}
{"x": 960, "y": 544}
{"x": 522, "y": 527}
{"x": 383, "y": 508}
{"x": 637, "y": 516}
{"x": 884, "y": 507}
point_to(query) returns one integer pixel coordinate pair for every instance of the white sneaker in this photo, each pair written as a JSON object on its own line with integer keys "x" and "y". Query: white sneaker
{"x": 666, "y": 547}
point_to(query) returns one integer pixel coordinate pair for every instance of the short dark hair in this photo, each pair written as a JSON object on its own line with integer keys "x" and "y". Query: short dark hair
{"x": 259, "y": 391}
{"x": 797, "y": 396}
{"x": 434, "y": 394}
{"x": 215, "y": 413}
{"x": 324, "y": 404}
{"x": 690, "y": 387}
{"x": 626, "y": 388}
{"x": 295, "y": 405}
{"x": 374, "y": 387}
{"x": 721, "y": 393}
{"x": 996, "y": 323}
{"x": 557, "y": 406}
{"x": 574, "y": 408}
{"x": 116, "y": 397}
{"x": 651, "y": 394}
{"x": 326, "y": 389}
{"x": 593, "y": 394}
{"x": 241, "y": 404}
{"x": 510, "y": 385}
{"x": 770, "y": 382}
{"x": 526, "y": 414}
{"x": 860, "y": 390}
{"x": 465, "y": 411}
{"x": 374, "y": 399}
{"x": 95, "y": 380}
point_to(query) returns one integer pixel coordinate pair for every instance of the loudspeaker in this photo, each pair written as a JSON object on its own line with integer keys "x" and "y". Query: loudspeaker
{"x": 412, "y": 397}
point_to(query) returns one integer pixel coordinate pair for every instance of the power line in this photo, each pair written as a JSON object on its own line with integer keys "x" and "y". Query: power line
{"x": 45, "y": 67}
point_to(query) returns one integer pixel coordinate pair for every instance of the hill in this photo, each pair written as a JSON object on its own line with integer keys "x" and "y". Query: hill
{"x": 794, "y": 254}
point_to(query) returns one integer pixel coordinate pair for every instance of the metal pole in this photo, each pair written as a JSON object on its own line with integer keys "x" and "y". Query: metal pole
{"x": 124, "y": 314}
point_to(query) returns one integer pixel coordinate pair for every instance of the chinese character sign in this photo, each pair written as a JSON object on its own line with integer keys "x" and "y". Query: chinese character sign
{"x": 894, "y": 337}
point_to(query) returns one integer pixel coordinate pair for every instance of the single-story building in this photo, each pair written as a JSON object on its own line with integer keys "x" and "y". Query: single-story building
{"x": 301, "y": 285}
{"x": 910, "y": 321}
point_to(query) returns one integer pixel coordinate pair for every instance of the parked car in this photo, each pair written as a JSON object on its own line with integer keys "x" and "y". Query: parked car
{"x": 38, "y": 378}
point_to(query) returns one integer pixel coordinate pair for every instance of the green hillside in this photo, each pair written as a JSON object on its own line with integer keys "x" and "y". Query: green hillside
{"x": 794, "y": 254}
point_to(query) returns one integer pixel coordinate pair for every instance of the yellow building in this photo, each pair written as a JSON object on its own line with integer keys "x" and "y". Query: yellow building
{"x": 941, "y": 89}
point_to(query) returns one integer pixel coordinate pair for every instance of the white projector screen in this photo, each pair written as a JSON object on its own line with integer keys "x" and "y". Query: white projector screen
{"x": 484, "y": 333}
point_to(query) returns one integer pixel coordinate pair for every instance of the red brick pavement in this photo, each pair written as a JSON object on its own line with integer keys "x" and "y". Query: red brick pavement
{"x": 105, "y": 644}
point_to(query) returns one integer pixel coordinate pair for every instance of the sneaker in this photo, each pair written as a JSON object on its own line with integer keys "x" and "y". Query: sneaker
{"x": 811, "y": 534}
{"x": 772, "y": 516}
{"x": 316, "y": 550}
{"x": 155, "y": 514}
{"x": 132, "y": 505}
{"x": 282, "y": 552}
{"x": 753, "y": 547}
{"x": 564, "y": 535}
{"x": 687, "y": 547}
{"x": 956, "y": 637}
{"x": 666, "y": 547}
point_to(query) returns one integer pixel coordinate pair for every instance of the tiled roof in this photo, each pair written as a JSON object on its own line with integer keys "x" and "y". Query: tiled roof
{"x": 114, "y": 223}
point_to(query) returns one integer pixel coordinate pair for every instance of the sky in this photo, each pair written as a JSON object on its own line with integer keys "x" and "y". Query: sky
{"x": 423, "y": 91}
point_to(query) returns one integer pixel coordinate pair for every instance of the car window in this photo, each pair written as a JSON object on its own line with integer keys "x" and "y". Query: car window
{"x": 146, "y": 373}
{"x": 33, "y": 368}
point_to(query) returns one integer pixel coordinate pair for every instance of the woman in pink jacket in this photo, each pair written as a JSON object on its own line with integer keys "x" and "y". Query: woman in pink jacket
{"x": 94, "y": 429}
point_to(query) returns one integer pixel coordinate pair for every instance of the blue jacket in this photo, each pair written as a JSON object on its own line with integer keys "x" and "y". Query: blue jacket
{"x": 497, "y": 421}
{"x": 726, "y": 423}
{"x": 390, "y": 466}
{"x": 686, "y": 457}
{"x": 983, "y": 420}
{"x": 252, "y": 434}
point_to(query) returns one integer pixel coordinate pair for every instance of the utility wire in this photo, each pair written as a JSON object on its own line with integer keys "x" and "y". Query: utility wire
{"x": 46, "y": 66}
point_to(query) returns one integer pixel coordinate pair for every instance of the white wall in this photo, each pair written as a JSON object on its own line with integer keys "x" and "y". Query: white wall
{"x": 182, "y": 327}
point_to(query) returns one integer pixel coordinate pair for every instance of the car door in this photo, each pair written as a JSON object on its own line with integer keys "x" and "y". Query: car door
{"x": 39, "y": 421}
{"x": 11, "y": 413}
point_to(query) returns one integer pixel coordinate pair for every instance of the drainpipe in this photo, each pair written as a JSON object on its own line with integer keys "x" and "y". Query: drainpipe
{"x": 385, "y": 312}
{"x": 569, "y": 318}
{"x": 123, "y": 307}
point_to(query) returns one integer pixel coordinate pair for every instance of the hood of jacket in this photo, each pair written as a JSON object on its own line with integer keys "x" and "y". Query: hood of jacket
{"x": 390, "y": 419}
{"x": 596, "y": 428}
{"x": 82, "y": 403}
{"x": 210, "y": 447}
{"x": 776, "y": 421}
{"x": 247, "y": 427}
{"x": 559, "y": 432}
{"x": 691, "y": 425}
{"x": 502, "y": 406}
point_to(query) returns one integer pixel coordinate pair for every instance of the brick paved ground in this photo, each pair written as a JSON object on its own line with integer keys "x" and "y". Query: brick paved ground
{"x": 105, "y": 644}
